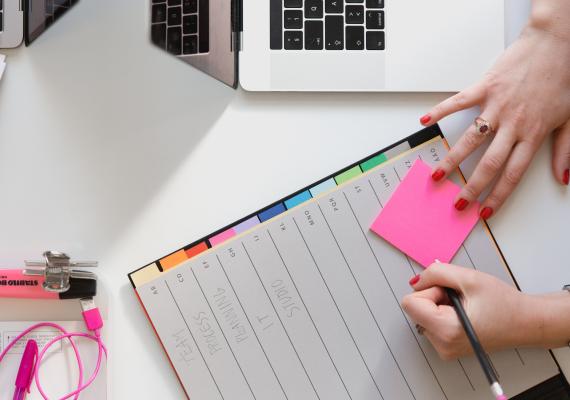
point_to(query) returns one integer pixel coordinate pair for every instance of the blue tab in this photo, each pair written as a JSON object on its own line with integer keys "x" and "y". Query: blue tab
{"x": 298, "y": 199}
{"x": 272, "y": 212}
{"x": 323, "y": 187}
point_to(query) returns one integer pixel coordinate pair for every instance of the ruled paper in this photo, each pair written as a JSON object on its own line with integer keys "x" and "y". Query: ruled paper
{"x": 307, "y": 306}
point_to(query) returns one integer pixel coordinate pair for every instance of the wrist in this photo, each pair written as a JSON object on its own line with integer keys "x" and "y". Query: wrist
{"x": 556, "y": 319}
{"x": 546, "y": 321}
{"x": 529, "y": 326}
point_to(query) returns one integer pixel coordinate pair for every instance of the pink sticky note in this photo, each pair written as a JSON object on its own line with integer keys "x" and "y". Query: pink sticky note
{"x": 420, "y": 219}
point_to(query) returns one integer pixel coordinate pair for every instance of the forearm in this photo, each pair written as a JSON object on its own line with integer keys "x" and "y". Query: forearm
{"x": 548, "y": 320}
{"x": 551, "y": 16}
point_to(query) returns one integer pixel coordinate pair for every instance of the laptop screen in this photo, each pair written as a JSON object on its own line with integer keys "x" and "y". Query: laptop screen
{"x": 41, "y": 14}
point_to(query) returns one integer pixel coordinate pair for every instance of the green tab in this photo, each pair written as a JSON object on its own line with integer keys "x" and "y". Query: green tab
{"x": 348, "y": 175}
{"x": 373, "y": 162}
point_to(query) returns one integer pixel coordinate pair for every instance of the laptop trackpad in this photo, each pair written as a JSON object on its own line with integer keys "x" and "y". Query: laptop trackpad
{"x": 328, "y": 71}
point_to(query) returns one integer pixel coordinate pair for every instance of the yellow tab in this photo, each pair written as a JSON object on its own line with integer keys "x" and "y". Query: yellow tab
{"x": 145, "y": 275}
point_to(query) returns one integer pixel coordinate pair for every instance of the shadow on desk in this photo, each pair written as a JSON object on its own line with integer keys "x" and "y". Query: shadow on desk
{"x": 112, "y": 133}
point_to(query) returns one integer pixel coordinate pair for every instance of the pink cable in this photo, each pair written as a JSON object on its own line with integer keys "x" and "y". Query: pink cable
{"x": 68, "y": 336}
{"x": 80, "y": 387}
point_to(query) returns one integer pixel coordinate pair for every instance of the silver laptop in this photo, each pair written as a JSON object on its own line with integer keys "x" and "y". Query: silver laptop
{"x": 25, "y": 20}
{"x": 333, "y": 45}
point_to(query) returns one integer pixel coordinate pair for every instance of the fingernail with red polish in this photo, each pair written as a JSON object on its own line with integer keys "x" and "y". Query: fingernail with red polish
{"x": 437, "y": 175}
{"x": 425, "y": 119}
{"x": 486, "y": 212}
{"x": 566, "y": 177}
{"x": 461, "y": 204}
{"x": 415, "y": 279}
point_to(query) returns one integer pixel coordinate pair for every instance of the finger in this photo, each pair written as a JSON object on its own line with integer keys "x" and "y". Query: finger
{"x": 462, "y": 100}
{"x": 435, "y": 294}
{"x": 466, "y": 145}
{"x": 444, "y": 275}
{"x": 423, "y": 311}
{"x": 515, "y": 168}
{"x": 487, "y": 169}
{"x": 449, "y": 338}
{"x": 561, "y": 154}
{"x": 436, "y": 342}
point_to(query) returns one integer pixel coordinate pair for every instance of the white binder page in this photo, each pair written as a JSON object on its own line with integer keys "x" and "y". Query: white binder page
{"x": 307, "y": 306}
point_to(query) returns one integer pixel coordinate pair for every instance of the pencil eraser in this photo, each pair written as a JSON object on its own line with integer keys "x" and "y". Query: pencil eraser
{"x": 502, "y": 397}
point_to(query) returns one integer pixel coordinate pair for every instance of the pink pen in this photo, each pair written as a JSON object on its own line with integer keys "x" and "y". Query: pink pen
{"x": 35, "y": 284}
{"x": 26, "y": 370}
{"x": 15, "y": 283}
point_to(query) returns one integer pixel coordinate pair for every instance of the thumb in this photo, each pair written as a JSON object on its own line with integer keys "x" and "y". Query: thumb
{"x": 443, "y": 275}
{"x": 561, "y": 154}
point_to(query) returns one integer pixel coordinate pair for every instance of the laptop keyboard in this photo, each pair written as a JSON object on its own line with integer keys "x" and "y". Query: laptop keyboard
{"x": 181, "y": 27}
{"x": 327, "y": 25}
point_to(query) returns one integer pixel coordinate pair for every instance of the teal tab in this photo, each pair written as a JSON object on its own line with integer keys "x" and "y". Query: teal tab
{"x": 373, "y": 162}
{"x": 298, "y": 199}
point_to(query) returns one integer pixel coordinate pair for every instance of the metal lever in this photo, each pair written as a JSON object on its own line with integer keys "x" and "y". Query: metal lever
{"x": 57, "y": 270}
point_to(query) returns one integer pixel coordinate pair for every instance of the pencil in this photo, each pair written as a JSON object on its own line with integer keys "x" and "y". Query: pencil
{"x": 480, "y": 353}
{"x": 478, "y": 349}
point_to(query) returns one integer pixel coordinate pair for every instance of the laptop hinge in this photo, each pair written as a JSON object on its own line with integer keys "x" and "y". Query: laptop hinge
{"x": 237, "y": 24}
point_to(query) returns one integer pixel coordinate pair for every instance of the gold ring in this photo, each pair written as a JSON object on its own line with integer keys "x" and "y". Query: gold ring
{"x": 483, "y": 127}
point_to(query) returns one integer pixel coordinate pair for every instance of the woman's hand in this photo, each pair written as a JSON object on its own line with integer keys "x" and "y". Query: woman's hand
{"x": 502, "y": 316}
{"x": 524, "y": 97}
{"x": 497, "y": 311}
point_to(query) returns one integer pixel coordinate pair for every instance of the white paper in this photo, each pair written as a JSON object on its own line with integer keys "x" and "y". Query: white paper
{"x": 58, "y": 373}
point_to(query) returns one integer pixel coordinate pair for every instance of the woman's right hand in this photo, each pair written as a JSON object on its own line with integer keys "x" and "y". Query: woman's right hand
{"x": 502, "y": 316}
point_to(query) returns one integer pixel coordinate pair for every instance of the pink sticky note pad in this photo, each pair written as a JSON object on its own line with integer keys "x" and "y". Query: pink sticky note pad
{"x": 420, "y": 219}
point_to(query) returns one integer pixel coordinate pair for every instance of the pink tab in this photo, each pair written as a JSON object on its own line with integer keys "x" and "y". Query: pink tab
{"x": 222, "y": 237}
{"x": 420, "y": 219}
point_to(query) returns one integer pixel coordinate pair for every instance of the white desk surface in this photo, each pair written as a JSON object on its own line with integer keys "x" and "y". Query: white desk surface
{"x": 112, "y": 150}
